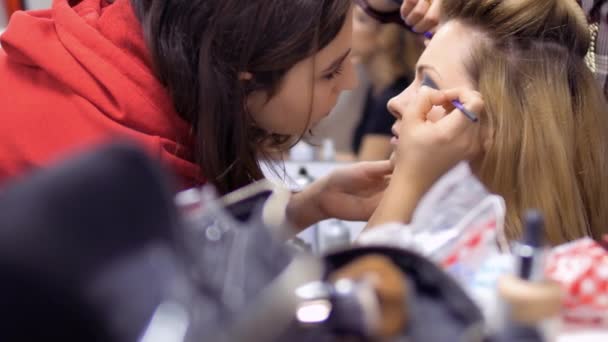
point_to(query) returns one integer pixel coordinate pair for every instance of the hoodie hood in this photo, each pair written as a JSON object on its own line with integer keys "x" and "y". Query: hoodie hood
{"x": 93, "y": 56}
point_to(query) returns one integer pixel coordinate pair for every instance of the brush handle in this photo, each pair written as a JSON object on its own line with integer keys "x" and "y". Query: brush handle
{"x": 465, "y": 111}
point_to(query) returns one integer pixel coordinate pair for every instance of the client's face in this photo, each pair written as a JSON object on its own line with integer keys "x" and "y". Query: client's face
{"x": 443, "y": 61}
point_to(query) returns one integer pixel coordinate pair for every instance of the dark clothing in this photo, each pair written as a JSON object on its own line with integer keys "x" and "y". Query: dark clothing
{"x": 376, "y": 119}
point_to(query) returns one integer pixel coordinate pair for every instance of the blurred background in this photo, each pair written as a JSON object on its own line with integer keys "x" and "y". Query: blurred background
{"x": 9, "y": 6}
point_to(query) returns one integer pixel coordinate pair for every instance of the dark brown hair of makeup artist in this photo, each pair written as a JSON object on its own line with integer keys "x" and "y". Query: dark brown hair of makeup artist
{"x": 198, "y": 49}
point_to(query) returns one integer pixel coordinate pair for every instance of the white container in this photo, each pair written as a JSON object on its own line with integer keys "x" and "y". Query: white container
{"x": 37, "y": 4}
{"x": 332, "y": 236}
{"x": 302, "y": 152}
{"x": 328, "y": 151}
{"x": 3, "y": 17}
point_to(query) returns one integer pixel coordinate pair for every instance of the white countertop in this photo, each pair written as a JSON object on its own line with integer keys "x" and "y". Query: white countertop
{"x": 584, "y": 336}
{"x": 1, "y": 31}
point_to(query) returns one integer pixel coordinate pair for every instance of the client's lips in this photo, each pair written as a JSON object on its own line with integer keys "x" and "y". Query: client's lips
{"x": 395, "y": 139}
{"x": 395, "y": 132}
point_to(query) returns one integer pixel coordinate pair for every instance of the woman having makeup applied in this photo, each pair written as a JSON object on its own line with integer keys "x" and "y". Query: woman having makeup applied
{"x": 543, "y": 141}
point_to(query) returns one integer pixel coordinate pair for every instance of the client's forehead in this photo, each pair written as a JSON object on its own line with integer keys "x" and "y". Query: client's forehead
{"x": 445, "y": 56}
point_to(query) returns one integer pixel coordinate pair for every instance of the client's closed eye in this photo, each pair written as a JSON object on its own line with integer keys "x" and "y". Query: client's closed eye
{"x": 428, "y": 81}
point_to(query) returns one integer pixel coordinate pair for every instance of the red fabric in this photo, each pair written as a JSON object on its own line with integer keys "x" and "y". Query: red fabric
{"x": 74, "y": 77}
{"x": 581, "y": 267}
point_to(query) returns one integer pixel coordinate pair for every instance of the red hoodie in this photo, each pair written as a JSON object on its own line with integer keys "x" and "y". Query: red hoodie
{"x": 71, "y": 77}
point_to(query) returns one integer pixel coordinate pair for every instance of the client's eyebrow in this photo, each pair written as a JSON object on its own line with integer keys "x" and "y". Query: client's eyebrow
{"x": 421, "y": 68}
{"x": 336, "y": 64}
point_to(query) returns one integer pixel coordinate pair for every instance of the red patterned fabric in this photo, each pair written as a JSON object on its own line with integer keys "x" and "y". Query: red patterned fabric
{"x": 581, "y": 267}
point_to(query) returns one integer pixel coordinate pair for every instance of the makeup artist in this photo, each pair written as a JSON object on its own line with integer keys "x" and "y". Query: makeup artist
{"x": 208, "y": 87}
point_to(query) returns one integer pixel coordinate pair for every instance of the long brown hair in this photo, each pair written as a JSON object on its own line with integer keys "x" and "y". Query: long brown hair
{"x": 199, "y": 48}
{"x": 547, "y": 116}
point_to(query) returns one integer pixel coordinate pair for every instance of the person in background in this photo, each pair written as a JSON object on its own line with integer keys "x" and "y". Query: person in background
{"x": 543, "y": 141}
{"x": 387, "y": 55}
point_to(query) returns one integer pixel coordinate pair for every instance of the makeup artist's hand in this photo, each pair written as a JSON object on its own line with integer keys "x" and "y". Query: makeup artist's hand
{"x": 422, "y": 15}
{"x": 353, "y": 192}
{"x": 430, "y": 146}
{"x": 427, "y": 147}
{"x": 348, "y": 193}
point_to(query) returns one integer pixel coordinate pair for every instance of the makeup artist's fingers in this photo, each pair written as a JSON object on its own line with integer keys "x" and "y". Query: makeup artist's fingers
{"x": 464, "y": 95}
{"x": 417, "y": 13}
{"x": 453, "y": 125}
{"x": 458, "y": 131}
{"x": 425, "y": 100}
{"x": 431, "y": 19}
{"x": 376, "y": 169}
{"x": 472, "y": 100}
{"x": 407, "y": 7}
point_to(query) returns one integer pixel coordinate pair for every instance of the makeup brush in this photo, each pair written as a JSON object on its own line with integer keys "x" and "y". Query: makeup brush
{"x": 427, "y": 81}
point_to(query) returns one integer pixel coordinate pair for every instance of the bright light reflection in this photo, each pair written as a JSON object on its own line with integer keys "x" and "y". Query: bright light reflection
{"x": 314, "y": 311}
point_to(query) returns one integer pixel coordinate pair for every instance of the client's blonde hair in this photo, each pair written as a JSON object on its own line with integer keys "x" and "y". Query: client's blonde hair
{"x": 547, "y": 117}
